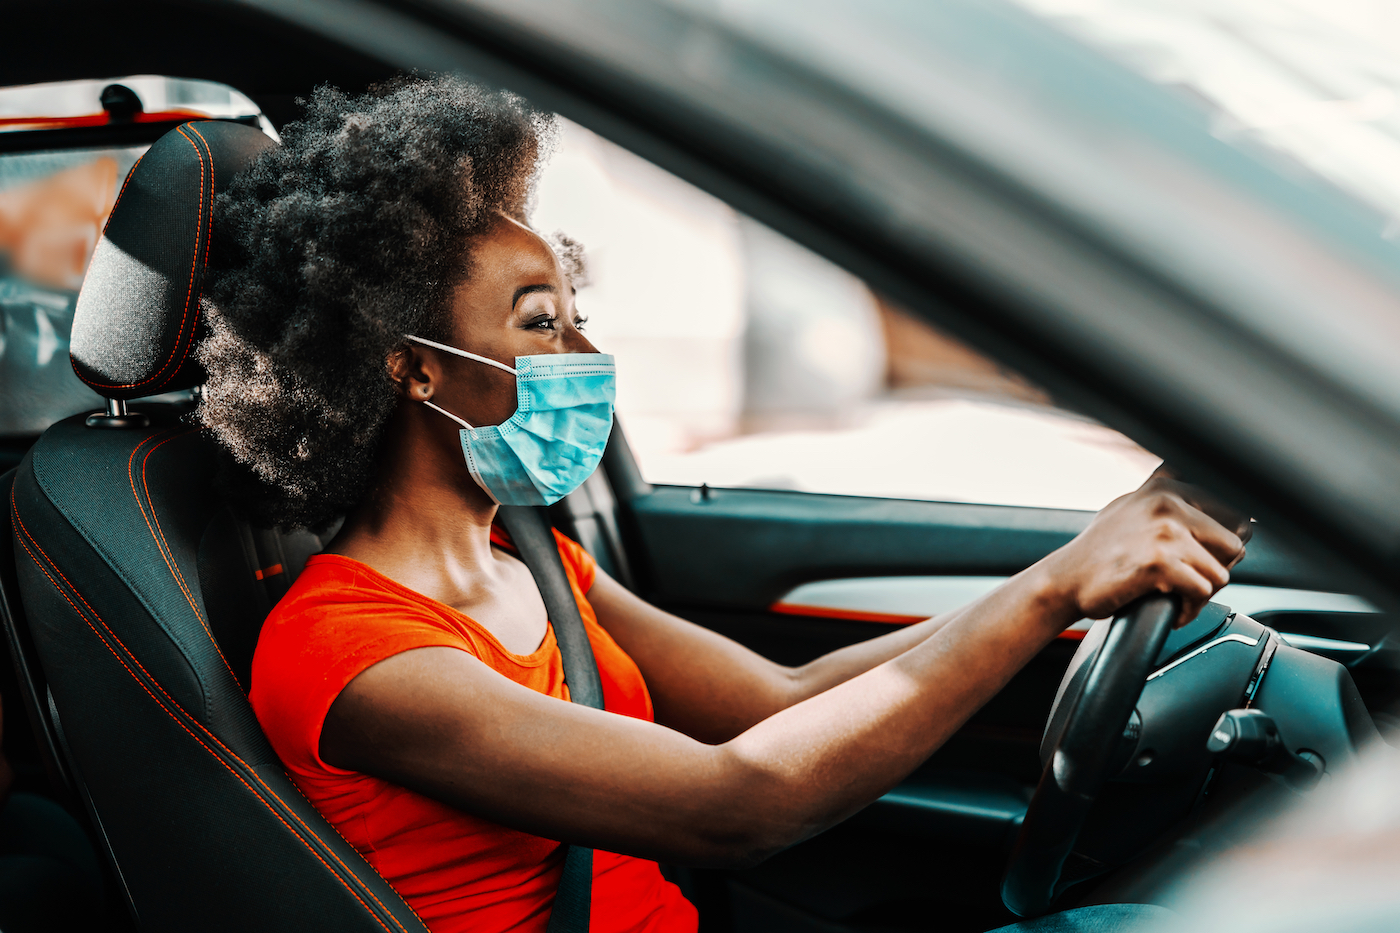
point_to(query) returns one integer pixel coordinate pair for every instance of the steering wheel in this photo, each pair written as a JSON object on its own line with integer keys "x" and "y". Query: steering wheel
{"x": 1084, "y": 753}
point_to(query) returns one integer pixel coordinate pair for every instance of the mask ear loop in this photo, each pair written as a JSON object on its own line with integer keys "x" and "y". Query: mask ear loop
{"x": 471, "y": 356}
{"x": 444, "y": 411}
{"x": 466, "y": 449}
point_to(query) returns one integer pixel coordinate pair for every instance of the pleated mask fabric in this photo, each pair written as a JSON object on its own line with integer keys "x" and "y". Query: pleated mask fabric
{"x": 555, "y": 439}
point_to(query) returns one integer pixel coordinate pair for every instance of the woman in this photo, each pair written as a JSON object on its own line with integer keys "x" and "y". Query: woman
{"x": 378, "y": 287}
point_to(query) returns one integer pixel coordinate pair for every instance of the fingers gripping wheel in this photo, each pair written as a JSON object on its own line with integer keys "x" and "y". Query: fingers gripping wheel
{"x": 1081, "y": 759}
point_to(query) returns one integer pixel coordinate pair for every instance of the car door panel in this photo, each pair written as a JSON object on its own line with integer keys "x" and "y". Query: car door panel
{"x": 795, "y": 575}
{"x": 746, "y": 548}
{"x": 729, "y": 559}
{"x": 726, "y": 558}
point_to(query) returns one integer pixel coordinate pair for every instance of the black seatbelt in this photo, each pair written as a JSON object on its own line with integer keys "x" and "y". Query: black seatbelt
{"x": 529, "y": 530}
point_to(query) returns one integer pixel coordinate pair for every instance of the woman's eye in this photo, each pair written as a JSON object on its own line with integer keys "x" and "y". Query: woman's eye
{"x": 543, "y": 323}
{"x": 580, "y": 322}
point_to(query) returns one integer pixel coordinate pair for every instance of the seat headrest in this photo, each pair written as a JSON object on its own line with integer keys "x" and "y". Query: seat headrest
{"x": 137, "y": 317}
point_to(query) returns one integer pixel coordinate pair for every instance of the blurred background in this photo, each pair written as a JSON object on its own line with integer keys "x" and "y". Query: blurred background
{"x": 53, "y": 206}
{"x": 747, "y": 360}
{"x": 744, "y": 359}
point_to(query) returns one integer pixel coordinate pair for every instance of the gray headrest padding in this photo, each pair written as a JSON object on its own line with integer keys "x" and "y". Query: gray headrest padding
{"x": 137, "y": 319}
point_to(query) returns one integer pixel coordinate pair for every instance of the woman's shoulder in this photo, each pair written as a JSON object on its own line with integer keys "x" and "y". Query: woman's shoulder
{"x": 577, "y": 561}
{"x": 336, "y": 586}
{"x": 340, "y": 611}
{"x": 339, "y": 618}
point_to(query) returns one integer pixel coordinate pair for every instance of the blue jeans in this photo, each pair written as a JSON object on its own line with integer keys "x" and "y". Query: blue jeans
{"x": 1101, "y": 918}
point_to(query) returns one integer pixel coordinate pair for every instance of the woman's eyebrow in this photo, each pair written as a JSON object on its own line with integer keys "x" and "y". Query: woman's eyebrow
{"x": 524, "y": 290}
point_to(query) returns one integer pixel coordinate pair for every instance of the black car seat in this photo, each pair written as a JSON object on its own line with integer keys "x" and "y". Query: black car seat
{"x": 141, "y": 597}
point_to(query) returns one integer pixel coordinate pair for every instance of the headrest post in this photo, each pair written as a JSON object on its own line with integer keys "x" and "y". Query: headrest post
{"x": 116, "y": 416}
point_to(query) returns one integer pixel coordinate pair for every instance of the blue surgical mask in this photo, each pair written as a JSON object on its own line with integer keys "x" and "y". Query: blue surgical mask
{"x": 555, "y": 439}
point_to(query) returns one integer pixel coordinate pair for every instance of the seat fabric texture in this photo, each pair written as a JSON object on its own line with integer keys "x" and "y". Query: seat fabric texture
{"x": 143, "y": 597}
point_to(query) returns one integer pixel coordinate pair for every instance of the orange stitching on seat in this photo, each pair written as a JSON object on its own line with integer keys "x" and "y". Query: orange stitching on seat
{"x": 14, "y": 507}
{"x": 161, "y": 544}
{"x": 159, "y": 535}
{"x": 182, "y": 725}
{"x": 336, "y": 829}
{"x": 14, "y": 511}
{"x": 164, "y": 546}
{"x": 20, "y": 524}
{"x": 159, "y": 538}
{"x": 76, "y": 592}
{"x": 208, "y": 242}
{"x": 194, "y": 265}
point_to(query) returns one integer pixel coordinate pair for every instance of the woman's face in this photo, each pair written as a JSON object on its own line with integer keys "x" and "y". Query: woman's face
{"x": 517, "y": 301}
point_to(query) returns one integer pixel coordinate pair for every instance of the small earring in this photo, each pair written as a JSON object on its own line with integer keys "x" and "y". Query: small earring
{"x": 423, "y": 391}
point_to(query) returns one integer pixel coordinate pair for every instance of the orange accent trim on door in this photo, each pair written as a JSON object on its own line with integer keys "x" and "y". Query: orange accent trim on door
{"x": 860, "y": 615}
{"x": 853, "y": 615}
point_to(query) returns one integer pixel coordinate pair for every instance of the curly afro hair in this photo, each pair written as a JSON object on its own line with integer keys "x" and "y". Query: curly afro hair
{"x": 329, "y": 249}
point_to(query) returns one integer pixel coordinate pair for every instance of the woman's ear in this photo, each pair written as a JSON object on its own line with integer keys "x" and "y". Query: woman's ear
{"x": 413, "y": 372}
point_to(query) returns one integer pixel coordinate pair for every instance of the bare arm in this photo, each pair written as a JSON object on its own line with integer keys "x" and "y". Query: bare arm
{"x": 711, "y": 687}
{"x": 441, "y": 722}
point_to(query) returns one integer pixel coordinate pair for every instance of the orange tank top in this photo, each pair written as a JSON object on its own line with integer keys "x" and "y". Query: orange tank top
{"x": 459, "y": 872}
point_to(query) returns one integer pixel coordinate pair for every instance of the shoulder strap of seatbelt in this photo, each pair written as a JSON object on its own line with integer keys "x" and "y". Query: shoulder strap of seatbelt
{"x": 529, "y": 530}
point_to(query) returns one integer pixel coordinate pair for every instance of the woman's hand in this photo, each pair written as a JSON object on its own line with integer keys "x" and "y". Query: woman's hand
{"x": 1166, "y": 537}
{"x": 441, "y": 722}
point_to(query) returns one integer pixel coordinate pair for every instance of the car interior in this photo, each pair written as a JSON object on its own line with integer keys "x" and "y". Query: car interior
{"x": 132, "y": 598}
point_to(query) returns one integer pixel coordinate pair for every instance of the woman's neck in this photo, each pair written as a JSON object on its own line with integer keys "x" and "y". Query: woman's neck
{"x": 426, "y": 523}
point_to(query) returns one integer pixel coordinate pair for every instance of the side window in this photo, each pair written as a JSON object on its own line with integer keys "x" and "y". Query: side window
{"x": 745, "y": 360}
{"x": 53, "y": 206}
